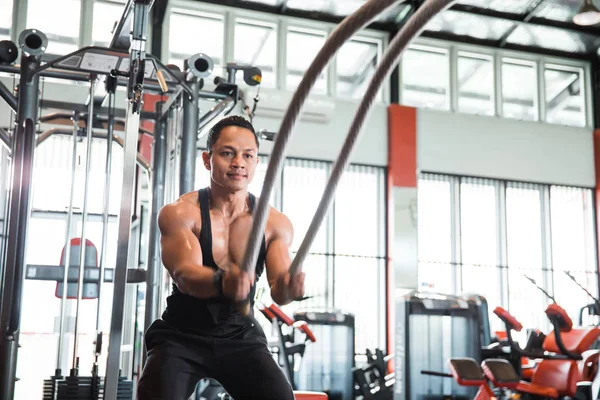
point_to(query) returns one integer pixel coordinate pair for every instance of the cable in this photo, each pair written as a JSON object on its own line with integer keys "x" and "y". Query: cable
{"x": 410, "y": 30}
{"x": 339, "y": 36}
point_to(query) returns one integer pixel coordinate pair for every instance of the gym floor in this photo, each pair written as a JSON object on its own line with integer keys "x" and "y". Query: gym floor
{"x": 461, "y": 241}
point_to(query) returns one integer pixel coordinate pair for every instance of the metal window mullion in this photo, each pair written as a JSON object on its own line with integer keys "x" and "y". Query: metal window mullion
{"x": 541, "y": 93}
{"x": 19, "y": 19}
{"x": 281, "y": 66}
{"x": 546, "y": 242}
{"x": 502, "y": 243}
{"x": 453, "y": 70}
{"x": 229, "y": 38}
{"x": 455, "y": 237}
{"x": 86, "y": 22}
{"x": 330, "y": 246}
{"x": 166, "y": 33}
{"x": 332, "y": 75}
{"x": 498, "y": 85}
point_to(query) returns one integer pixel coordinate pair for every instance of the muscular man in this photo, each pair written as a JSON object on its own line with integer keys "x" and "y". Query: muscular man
{"x": 203, "y": 239}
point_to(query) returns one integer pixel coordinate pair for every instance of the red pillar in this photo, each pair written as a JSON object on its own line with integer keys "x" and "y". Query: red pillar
{"x": 402, "y": 172}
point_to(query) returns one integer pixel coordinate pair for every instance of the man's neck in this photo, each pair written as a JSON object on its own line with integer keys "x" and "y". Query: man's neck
{"x": 230, "y": 204}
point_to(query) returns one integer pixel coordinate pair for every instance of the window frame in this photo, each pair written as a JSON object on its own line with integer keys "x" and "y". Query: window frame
{"x": 548, "y": 272}
{"x": 498, "y": 54}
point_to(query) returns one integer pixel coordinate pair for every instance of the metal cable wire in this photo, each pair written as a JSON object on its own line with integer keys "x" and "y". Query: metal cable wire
{"x": 339, "y": 36}
{"x": 408, "y": 32}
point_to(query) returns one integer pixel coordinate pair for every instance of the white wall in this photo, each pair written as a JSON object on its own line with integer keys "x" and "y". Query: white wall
{"x": 504, "y": 149}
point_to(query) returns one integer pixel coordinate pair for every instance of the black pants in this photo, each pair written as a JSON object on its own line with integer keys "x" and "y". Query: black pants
{"x": 177, "y": 360}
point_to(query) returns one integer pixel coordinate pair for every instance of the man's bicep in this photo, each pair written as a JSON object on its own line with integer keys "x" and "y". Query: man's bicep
{"x": 180, "y": 247}
{"x": 278, "y": 259}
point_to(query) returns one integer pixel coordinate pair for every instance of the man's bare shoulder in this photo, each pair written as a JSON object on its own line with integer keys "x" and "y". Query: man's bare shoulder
{"x": 280, "y": 224}
{"x": 183, "y": 211}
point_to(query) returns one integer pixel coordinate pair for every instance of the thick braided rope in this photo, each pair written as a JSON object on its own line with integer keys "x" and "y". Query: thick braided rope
{"x": 339, "y": 36}
{"x": 409, "y": 31}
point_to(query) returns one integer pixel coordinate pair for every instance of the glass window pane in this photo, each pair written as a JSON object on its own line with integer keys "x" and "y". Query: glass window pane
{"x": 524, "y": 240}
{"x": 432, "y": 92}
{"x": 106, "y": 14}
{"x": 256, "y": 44}
{"x": 364, "y": 297}
{"x": 303, "y": 185}
{"x": 302, "y": 48}
{"x": 187, "y": 26}
{"x": 358, "y": 209}
{"x": 356, "y": 63}
{"x": 475, "y": 84}
{"x": 435, "y": 234}
{"x": 59, "y": 20}
{"x": 52, "y": 175}
{"x": 5, "y": 19}
{"x": 519, "y": 90}
{"x": 479, "y": 239}
{"x": 565, "y": 100}
{"x": 572, "y": 246}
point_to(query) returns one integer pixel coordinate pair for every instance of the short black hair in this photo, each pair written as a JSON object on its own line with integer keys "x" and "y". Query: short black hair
{"x": 234, "y": 120}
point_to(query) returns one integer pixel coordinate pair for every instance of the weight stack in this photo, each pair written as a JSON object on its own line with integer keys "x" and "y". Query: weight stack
{"x": 124, "y": 389}
{"x": 79, "y": 388}
{"x": 50, "y": 387}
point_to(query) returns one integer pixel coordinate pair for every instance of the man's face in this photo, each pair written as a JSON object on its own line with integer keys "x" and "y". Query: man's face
{"x": 233, "y": 160}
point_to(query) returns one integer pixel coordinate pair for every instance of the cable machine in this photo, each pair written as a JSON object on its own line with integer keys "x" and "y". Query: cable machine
{"x": 83, "y": 270}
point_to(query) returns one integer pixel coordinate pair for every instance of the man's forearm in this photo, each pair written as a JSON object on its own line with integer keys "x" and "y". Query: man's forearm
{"x": 197, "y": 282}
{"x": 280, "y": 296}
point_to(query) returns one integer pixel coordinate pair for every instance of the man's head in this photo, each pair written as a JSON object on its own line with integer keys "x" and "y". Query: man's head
{"x": 232, "y": 154}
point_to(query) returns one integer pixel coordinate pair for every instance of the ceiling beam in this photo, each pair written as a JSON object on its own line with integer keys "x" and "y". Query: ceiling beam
{"x": 519, "y": 18}
{"x": 509, "y": 46}
{"x": 290, "y": 12}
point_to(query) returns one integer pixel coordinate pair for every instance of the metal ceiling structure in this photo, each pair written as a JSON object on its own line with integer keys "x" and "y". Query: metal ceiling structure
{"x": 538, "y": 26}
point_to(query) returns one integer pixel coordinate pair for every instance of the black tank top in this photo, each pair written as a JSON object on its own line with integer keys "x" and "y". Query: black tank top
{"x": 217, "y": 316}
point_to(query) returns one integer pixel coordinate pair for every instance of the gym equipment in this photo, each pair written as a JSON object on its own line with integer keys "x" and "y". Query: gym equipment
{"x": 327, "y": 364}
{"x": 502, "y": 375}
{"x": 22, "y": 152}
{"x": 8, "y": 52}
{"x": 468, "y": 373}
{"x": 289, "y": 349}
{"x": 432, "y": 328}
{"x": 565, "y": 360}
{"x": 371, "y": 381}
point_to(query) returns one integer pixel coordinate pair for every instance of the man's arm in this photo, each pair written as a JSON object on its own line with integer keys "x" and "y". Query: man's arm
{"x": 181, "y": 252}
{"x": 278, "y": 259}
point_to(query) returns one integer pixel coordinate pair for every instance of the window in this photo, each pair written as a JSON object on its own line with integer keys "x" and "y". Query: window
{"x": 106, "y": 16}
{"x": 59, "y": 20}
{"x": 54, "y": 158}
{"x": 505, "y": 239}
{"x": 206, "y": 29}
{"x": 519, "y": 90}
{"x": 565, "y": 100}
{"x": 433, "y": 92}
{"x": 572, "y": 247}
{"x": 525, "y": 253}
{"x": 479, "y": 238}
{"x": 6, "y": 19}
{"x": 304, "y": 183}
{"x": 435, "y": 234}
{"x": 303, "y": 46}
{"x": 256, "y": 44}
{"x": 356, "y": 63}
{"x": 476, "y": 84}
